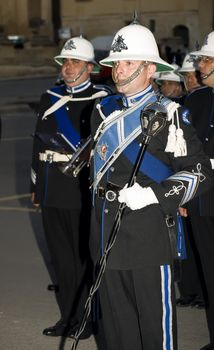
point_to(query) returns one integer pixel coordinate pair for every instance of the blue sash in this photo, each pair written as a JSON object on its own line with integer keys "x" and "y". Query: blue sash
{"x": 118, "y": 136}
{"x": 64, "y": 124}
{"x": 151, "y": 166}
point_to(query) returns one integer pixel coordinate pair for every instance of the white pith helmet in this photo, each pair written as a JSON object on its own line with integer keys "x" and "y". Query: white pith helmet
{"x": 135, "y": 42}
{"x": 156, "y": 75}
{"x": 172, "y": 75}
{"x": 207, "y": 48}
{"x": 188, "y": 64}
{"x": 77, "y": 48}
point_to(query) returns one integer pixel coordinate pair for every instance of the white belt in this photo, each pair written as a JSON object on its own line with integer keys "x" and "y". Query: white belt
{"x": 212, "y": 163}
{"x": 51, "y": 156}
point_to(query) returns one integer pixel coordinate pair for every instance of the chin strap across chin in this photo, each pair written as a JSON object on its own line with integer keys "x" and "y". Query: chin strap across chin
{"x": 208, "y": 75}
{"x": 132, "y": 76}
{"x": 77, "y": 77}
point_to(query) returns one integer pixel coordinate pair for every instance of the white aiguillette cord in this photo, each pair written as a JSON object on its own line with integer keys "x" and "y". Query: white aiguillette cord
{"x": 176, "y": 142}
{"x": 64, "y": 99}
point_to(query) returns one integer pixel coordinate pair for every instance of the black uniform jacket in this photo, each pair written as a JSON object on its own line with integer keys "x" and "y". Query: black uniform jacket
{"x": 200, "y": 103}
{"x": 143, "y": 238}
{"x": 51, "y": 186}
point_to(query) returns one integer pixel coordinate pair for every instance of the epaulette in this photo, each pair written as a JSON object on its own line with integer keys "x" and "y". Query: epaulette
{"x": 56, "y": 89}
{"x": 106, "y": 88}
{"x": 110, "y": 103}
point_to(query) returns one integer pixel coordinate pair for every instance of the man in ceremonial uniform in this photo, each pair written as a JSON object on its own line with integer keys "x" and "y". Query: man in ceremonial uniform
{"x": 136, "y": 293}
{"x": 191, "y": 283}
{"x": 62, "y": 129}
{"x": 201, "y": 209}
{"x": 189, "y": 71}
{"x": 172, "y": 84}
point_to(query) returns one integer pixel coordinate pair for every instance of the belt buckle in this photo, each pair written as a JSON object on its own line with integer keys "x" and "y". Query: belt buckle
{"x": 50, "y": 157}
{"x": 170, "y": 222}
{"x": 111, "y": 196}
{"x": 112, "y": 191}
{"x": 101, "y": 192}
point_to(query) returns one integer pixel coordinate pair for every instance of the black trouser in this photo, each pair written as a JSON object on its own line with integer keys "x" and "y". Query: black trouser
{"x": 191, "y": 281}
{"x": 203, "y": 231}
{"x": 67, "y": 237}
{"x": 138, "y": 309}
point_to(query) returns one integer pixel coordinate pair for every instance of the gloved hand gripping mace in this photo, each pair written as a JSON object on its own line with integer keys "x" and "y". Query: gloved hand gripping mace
{"x": 153, "y": 119}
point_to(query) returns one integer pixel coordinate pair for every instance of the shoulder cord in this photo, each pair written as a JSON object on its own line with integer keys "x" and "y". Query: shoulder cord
{"x": 176, "y": 142}
{"x": 64, "y": 99}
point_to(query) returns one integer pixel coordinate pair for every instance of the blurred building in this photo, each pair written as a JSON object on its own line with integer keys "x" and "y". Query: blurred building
{"x": 176, "y": 24}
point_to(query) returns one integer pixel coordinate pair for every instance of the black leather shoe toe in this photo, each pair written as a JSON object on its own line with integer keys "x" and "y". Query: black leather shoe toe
{"x": 198, "y": 302}
{"x": 58, "y": 330}
{"x": 184, "y": 301}
{"x": 53, "y": 287}
{"x": 87, "y": 332}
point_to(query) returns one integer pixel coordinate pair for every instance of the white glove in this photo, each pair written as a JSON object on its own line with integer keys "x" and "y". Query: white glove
{"x": 137, "y": 197}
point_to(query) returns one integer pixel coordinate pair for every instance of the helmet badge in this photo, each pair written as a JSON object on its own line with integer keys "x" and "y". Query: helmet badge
{"x": 205, "y": 41}
{"x": 119, "y": 44}
{"x": 69, "y": 45}
{"x": 190, "y": 59}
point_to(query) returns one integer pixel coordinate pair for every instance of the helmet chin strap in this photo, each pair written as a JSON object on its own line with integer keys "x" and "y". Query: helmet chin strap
{"x": 207, "y": 75}
{"x": 132, "y": 76}
{"x": 78, "y": 75}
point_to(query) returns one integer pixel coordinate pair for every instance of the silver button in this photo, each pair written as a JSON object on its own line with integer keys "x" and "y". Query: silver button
{"x": 111, "y": 196}
{"x": 106, "y": 211}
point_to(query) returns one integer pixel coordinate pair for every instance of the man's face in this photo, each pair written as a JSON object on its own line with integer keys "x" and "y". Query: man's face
{"x": 206, "y": 68}
{"x": 123, "y": 70}
{"x": 73, "y": 69}
{"x": 171, "y": 88}
{"x": 190, "y": 80}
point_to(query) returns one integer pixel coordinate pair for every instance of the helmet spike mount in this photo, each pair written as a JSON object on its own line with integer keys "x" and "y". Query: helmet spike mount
{"x": 135, "y": 18}
{"x": 81, "y": 30}
{"x": 197, "y": 46}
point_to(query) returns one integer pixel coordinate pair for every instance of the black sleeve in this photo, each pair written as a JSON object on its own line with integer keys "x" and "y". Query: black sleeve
{"x": 192, "y": 174}
{"x": 38, "y": 146}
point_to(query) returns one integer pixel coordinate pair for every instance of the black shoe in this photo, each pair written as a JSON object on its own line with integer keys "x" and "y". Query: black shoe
{"x": 58, "y": 330}
{"x": 208, "y": 347}
{"x": 198, "y": 302}
{"x": 184, "y": 301}
{"x": 87, "y": 332}
{"x": 53, "y": 287}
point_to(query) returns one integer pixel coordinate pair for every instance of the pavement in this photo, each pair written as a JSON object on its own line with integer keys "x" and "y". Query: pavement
{"x": 26, "y": 306}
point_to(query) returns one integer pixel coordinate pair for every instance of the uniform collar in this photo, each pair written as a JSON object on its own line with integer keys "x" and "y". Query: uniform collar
{"x": 131, "y": 100}
{"x": 78, "y": 88}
